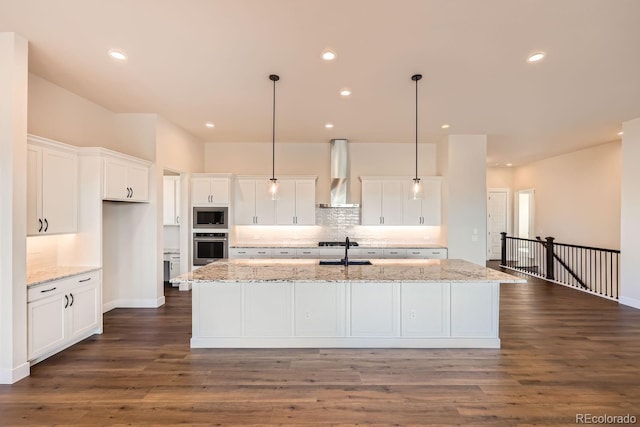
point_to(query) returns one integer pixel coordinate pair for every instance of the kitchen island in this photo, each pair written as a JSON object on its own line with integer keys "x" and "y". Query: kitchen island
{"x": 391, "y": 303}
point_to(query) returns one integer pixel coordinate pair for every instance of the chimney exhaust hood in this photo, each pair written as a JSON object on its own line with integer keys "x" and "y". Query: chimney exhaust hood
{"x": 339, "y": 176}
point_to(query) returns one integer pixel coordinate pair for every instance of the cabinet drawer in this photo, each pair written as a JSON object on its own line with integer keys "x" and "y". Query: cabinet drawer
{"x": 371, "y": 253}
{"x": 395, "y": 253}
{"x": 55, "y": 287}
{"x": 250, "y": 253}
{"x": 307, "y": 252}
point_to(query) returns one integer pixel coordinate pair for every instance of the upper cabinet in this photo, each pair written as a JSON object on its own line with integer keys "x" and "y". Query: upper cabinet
{"x": 126, "y": 178}
{"x": 386, "y": 201}
{"x": 425, "y": 211}
{"x": 296, "y": 204}
{"x": 210, "y": 190}
{"x": 252, "y": 203}
{"x": 52, "y": 187}
{"x": 171, "y": 200}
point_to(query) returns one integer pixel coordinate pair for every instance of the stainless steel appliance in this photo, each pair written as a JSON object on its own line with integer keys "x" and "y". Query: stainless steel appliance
{"x": 210, "y": 217}
{"x": 208, "y": 247}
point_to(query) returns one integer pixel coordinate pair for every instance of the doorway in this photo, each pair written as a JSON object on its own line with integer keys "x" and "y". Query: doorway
{"x": 498, "y": 220}
{"x": 525, "y": 205}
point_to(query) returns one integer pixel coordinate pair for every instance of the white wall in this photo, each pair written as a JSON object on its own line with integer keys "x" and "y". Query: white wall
{"x": 462, "y": 162}
{"x": 366, "y": 159}
{"x": 630, "y": 215}
{"x": 577, "y": 195}
{"x": 499, "y": 178}
{"x": 13, "y": 208}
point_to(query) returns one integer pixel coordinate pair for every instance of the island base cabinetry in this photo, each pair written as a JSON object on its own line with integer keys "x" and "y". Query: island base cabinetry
{"x": 345, "y": 315}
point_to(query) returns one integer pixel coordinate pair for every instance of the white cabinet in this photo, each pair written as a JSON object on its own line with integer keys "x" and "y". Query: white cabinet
{"x": 52, "y": 188}
{"x": 210, "y": 190}
{"x": 386, "y": 201}
{"x": 307, "y": 252}
{"x": 250, "y": 253}
{"x": 440, "y": 253}
{"x": 63, "y": 312}
{"x": 474, "y": 309}
{"x": 296, "y": 202}
{"x": 382, "y": 202}
{"x": 370, "y": 253}
{"x": 220, "y": 310}
{"x": 425, "y": 309}
{"x": 252, "y": 203}
{"x": 174, "y": 266}
{"x": 126, "y": 179}
{"x": 375, "y": 309}
{"x": 425, "y": 211}
{"x": 171, "y": 200}
{"x": 267, "y": 309}
{"x": 394, "y": 253}
{"x": 319, "y": 309}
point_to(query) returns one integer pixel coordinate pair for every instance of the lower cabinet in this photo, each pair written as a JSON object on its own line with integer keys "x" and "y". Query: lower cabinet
{"x": 345, "y": 314}
{"x": 63, "y": 312}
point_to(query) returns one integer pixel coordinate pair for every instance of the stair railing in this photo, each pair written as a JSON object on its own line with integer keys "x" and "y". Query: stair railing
{"x": 591, "y": 269}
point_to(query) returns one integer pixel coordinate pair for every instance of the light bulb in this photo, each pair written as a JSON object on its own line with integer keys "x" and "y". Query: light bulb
{"x": 416, "y": 189}
{"x": 273, "y": 189}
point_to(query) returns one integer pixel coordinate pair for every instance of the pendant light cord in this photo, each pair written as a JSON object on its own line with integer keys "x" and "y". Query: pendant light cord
{"x": 273, "y": 133}
{"x": 415, "y": 78}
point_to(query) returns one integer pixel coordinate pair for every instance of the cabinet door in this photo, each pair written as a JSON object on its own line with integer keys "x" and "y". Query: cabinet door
{"x": 265, "y": 207}
{"x": 319, "y": 309}
{"x": 34, "y": 190}
{"x": 46, "y": 325}
{"x": 85, "y": 309}
{"x": 392, "y": 202}
{"x": 115, "y": 180}
{"x": 217, "y": 310}
{"x": 371, "y": 202}
{"x": 59, "y": 191}
{"x": 138, "y": 182}
{"x": 220, "y": 191}
{"x": 169, "y": 205}
{"x": 200, "y": 191}
{"x": 286, "y": 203}
{"x": 174, "y": 267}
{"x": 412, "y": 209}
{"x": 375, "y": 309}
{"x": 431, "y": 205}
{"x": 245, "y": 202}
{"x": 267, "y": 309}
{"x": 474, "y": 309}
{"x": 425, "y": 309}
{"x": 306, "y": 202}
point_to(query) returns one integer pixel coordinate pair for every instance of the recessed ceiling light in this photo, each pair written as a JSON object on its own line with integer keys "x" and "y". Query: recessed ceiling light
{"x": 445, "y": 126}
{"x": 210, "y": 125}
{"x": 328, "y": 55}
{"x": 329, "y": 125}
{"x": 345, "y": 92}
{"x": 536, "y": 57}
{"x": 620, "y": 133}
{"x": 118, "y": 55}
{"x": 509, "y": 164}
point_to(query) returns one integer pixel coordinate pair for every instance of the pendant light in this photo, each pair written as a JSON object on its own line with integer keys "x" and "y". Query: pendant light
{"x": 273, "y": 186}
{"x": 416, "y": 188}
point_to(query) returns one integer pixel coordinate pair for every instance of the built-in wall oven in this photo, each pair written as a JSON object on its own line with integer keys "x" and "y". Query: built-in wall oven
{"x": 208, "y": 247}
{"x": 210, "y": 217}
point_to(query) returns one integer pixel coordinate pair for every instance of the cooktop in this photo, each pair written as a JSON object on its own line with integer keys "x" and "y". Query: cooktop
{"x": 337, "y": 244}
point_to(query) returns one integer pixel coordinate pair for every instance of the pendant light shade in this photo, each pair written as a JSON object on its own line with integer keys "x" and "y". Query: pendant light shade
{"x": 416, "y": 192}
{"x": 273, "y": 186}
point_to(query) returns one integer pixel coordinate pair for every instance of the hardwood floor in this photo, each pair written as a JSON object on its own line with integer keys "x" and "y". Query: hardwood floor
{"x": 563, "y": 353}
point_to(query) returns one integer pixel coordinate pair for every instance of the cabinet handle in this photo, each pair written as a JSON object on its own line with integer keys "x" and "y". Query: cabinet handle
{"x": 177, "y": 220}
{"x": 46, "y": 225}
{"x": 435, "y": 253}
{"x": 66, "y": 301}
{"x": 84, "y": 280}
{"x": 49, "y": 290}
{"x": 40, "y": 229}
{"x": 72, "y": 299}
{"x": 131, "y": 192}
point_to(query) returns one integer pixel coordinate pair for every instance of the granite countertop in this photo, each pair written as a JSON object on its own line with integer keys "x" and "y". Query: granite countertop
{"x": 381, "y": 270}
{"x": 171, "y": 251}
{"x": 37, "y": 277}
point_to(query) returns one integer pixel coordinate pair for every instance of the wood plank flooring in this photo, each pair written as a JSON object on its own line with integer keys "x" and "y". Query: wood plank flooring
{"x": 563, "y": 353}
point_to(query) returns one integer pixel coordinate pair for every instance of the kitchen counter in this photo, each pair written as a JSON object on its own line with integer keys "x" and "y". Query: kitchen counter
{"x": 287, "y": 303}
{"x": 37, "y": 277}
{"x": 381, "y": 270}
{"x": 364, "y": 246}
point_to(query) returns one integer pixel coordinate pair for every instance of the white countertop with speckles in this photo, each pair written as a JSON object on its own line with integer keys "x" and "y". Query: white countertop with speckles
{"x": 381, "y": 270}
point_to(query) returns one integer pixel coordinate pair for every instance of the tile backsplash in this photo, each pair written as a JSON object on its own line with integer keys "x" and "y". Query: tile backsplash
{"x": 334, "y": 224}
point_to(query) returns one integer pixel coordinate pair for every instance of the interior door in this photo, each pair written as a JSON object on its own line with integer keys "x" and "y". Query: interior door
{"x": 497, "y": 215}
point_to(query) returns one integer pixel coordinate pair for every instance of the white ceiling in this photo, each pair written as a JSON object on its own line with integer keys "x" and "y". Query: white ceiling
{"x": 193, "y": 61}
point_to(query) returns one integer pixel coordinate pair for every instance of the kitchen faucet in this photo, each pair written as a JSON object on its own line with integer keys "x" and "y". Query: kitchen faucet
{"x": 346, "y": 252}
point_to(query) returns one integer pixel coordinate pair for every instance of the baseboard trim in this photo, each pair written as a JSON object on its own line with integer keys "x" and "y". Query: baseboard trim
{"x": 11, "y": 376}
{"x": 631, "y": 302}
{"x": 133, "y": 303}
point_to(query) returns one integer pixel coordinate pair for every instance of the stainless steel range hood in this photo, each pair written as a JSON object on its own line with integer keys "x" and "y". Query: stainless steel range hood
{"x": 339, "y": 176}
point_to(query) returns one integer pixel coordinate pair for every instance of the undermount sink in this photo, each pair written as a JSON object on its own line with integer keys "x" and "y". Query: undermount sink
{"x": 341, "y": 262}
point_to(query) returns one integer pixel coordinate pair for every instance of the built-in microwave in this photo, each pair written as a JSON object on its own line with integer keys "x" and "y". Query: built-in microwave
{"x": 208, "y": 247}
{"x": 210, "y": 217}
